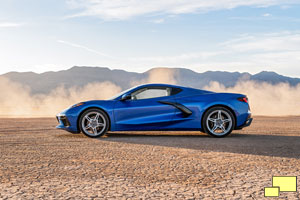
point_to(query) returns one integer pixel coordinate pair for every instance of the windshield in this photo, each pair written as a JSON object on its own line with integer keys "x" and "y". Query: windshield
{"x": 121, "y": 93}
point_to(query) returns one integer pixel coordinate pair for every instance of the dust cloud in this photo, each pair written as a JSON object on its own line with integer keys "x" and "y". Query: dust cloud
{"x": 16, "y": 100}
{"x": 162, "y": 75}
{"x": 265, "y": 99}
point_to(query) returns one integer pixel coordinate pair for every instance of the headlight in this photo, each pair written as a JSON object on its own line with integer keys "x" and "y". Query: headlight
{"x": 78, "y": 104}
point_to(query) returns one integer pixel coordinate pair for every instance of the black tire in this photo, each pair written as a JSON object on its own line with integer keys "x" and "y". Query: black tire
{"x": 218, "y": 121}
{"x": 93, "y": 126}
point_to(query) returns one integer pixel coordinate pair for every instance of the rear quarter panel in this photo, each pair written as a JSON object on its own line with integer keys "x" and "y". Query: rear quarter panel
{"x": 198, "y": 104}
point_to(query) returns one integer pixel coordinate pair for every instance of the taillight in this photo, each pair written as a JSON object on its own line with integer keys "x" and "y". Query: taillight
{"x": 243, "y": 99}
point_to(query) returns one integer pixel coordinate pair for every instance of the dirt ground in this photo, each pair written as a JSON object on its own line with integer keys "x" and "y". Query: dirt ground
{"x": 38, "y": 161}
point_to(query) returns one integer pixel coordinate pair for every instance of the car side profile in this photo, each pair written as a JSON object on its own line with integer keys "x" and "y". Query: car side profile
{"x": 153, "y": 107}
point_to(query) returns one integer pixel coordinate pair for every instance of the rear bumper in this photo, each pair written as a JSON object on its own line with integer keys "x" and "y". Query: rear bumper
{"x": 247, "y": 123}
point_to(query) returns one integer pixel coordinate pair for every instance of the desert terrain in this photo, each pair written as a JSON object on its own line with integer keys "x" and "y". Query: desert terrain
{"x": 39, "y": 162}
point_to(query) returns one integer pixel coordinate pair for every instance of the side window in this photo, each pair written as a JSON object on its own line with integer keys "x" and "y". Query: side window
{"x": 147, "y": 93}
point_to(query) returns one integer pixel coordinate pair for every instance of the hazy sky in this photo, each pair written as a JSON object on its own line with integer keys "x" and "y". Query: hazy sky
{"x": 135, "y": 35}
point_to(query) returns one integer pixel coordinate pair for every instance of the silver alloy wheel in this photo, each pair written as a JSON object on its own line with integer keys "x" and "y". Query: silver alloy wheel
{"x": 219, "y": 122}
{"x": 93, "y": 123}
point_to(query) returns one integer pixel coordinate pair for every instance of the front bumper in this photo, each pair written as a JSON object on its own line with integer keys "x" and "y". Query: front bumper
{"x": 62, "y": 119}
{"x": 65, "y": 124}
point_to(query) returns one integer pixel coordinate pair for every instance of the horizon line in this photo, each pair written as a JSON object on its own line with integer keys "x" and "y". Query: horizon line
{"x": 82, "y": 66}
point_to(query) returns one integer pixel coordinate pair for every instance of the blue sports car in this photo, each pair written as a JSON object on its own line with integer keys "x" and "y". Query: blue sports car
{"x": 153, "y": 107}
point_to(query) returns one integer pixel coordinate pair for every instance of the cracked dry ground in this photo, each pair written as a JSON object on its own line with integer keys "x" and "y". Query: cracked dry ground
{"x": 38, "y": 161}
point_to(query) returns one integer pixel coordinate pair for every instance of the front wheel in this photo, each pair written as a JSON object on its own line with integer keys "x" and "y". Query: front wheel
{"x": 218, "y": 122}
{"x": 94, "y": 123}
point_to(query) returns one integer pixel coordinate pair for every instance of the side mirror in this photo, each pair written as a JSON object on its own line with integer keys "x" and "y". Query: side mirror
{"x": 125, "y": 97}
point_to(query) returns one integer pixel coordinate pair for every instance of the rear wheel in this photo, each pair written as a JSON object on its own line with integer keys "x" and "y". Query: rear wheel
{"x": 218, "y": 122}
{"x": 94, "y": 123}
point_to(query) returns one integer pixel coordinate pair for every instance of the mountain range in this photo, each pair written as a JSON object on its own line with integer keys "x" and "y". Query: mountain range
{"x": 80, "y": 76}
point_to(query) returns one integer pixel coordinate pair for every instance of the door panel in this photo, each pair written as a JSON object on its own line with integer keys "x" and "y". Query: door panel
{"x": 143, "y": 114}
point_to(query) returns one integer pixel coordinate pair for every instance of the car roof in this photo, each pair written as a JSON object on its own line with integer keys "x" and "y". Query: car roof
{"x": 185, "y": 90}
{"x": 158, "y": 85}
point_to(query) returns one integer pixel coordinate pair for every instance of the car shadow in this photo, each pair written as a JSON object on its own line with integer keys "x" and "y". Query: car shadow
{"x": 255, "y": 144}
